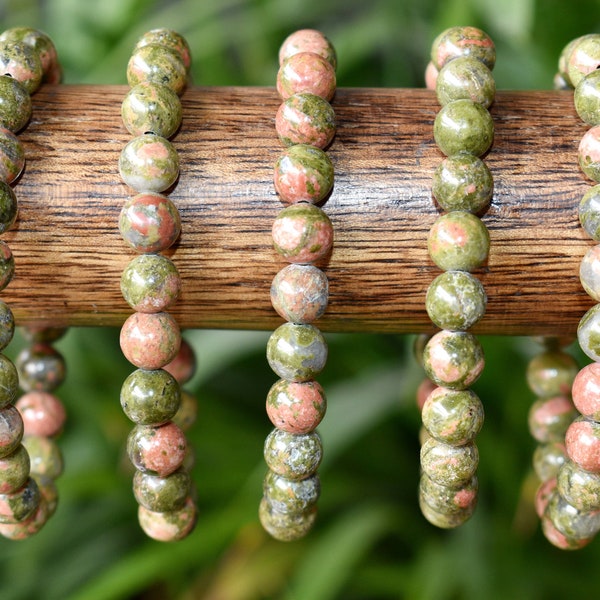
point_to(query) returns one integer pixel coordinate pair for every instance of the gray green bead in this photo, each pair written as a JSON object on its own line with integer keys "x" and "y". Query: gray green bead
{"x": 579, "y": 487}
{"x": 551, "y": 373}
{"x": 285, "y": 527}
{"x": 15, "y": 104}
{"x": 19, "y": 505}
{"x": 465, "y": 78}
{"x": 451, "y": 466}
{"x": 548, "y": 459}
{"x": 41, "y": 367}
{"x": 289, "y": 495}
{"x": 293, "y": 456}
{"x": 571, "y": 522}
{"x": 169, "y": 38}
{"x": 588, "y": 332}
{"x": 22, "y": 62}
{"x": 162, "y": 494}
{"x": 7, "y": 325}
{"x": 448, "y": 500}
{"x": 589, "y": 212}
{"x": 9, "y": 381}
{"x": 445, "y": 520}
{"x": 8, "y": 207}
{"x": 14, "y": 470}
{"x": 45, "y": 456}
{"x": 587, "y": 98}
{"x": 549, "y": 418}
{"x": 463, "y": 126}
{"x": 156, "y": 63}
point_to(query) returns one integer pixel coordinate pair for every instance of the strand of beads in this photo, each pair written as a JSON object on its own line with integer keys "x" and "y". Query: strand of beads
{"x": 458, "y": 243}
{"x": 571, "y": 516}
{"x": 303, "y": 236}
{"x": 150, "y": 338}
{"x": 27, "y": 57}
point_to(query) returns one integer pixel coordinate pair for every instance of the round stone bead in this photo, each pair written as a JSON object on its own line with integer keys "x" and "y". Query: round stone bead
{"x": 551, "y": 373}
{"x": 12, "y": 156}
{"x": 150, "y": 397}
{"x": 290, "y": 496}
{"x": 286, "y": 527}
{"x": 157, "y": 451}
{"x": 150, "y": 283}
{"x": 548, "y": 459}
{"x": 448, "y": 500}
{"x": 17, "y": 506}
{"x": 305, "y": 119}
{"x": 7, "y": 267}
{"x": 589, "y": 272}
{"x": 169, "y": 38}
{"x": 45, "y": 456}
{"x": 560, "y": 84}
{"x": 183, "y": 366}
{"x": 587, "y": 98}
{"x": 7, "y": 325}
{"x": 302, "y": 233}
{"x": 588, "y": 332}
{"x": 589, "y": 153}
{"x": 41, "y": 367}
{"x": 162, "y": 494}
{"x": 151, "y": 108}
{"x": 39, "y": 42}
{"x": 563, "y": 61}
{"x": 43, "y": 413}
{"x": 463, "y": 41}
{"x": 21, "y": 62}
{"x": 293, "y": 456}
{"x": 579, "y": 487}
{"x": 14, "y": 470}
{"x": 187, "y": 412}
{"x": 582, "y": 442}
{"x": 156, "y": 63}
{"x": 425, "y": 388}
{"x": 48, "y": 491}
{"x": 149, "y": 222}
{"x": 11, "y": 430}
{"x": 15, "y": 104}
{"x": 42, "y": 334}
{"x": 431, "y": 75}
{"x": 454, "y": 417}
{"x": 572, "y": 523}
{"x": 419, "y": 343}
{"x": 9, "y": 382}
{"x": 589, "y": 212}
{"x": 149, "y": 163}
{"x": 307, "y": 40}
{"x": 299, "y": 293}
{"x": 451, "y": 466}
{"x": 463, "y": 126}
{"x": 453, "y": 359}
{"x": 584, "y": 58}
{"x": 558, "y": 539}
{"x": 458, "y": 241}
{"x": 586, "y": 391}
{"x": 303, "y": 173}
{"x": 296, "y": 408}
{"x": 549, "y": 418}
{"x": 463, "y": 182}
{"x": 455, "y": 300}
{"x": 543, "y": 495}
{"x": 29, "y": 526}
{"x": 445, "y": 520}
{"x": 465, "y": 78}
{"x": 168, "y": 526}
{"x": 8, "y": 207}
{"x": 306, "y": 72}
{"x": 297, "y": 352}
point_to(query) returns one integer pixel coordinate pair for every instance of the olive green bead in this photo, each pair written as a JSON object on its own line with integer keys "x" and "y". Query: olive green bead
{"x": 156, "y": 63}
{"x": 48, "y": 491}
{"x": 293, "y": 456}
{"x": 162, "y": 494}
{"x": 460, "y": 41}
{"x": 285, "y": 527}
{"x": 22, "y": 62}
{"x": 452, "y": 466}
{"x": 14, "y": 470}
{"x": 445, "y": 520}
{"x": 8, "y": 207}
{"x": 7, "y": 325}
{"x": 583, "y": 58}
{"x": 151, "y": 108}
{"x": 289, "y": 495}
{"x": 169, "y": 38}
{"x": 548, "y": 459}
{"x": 463, "y": 182}
{"x": 41, "y": 44}
{"x": 463, "y": 126}
{"x": 15, "y": 104}
{"x": 587, "y": 98}
{"x": 588, "y": 333}
{"x": 12, "y": 156}
{"x": 7, "y": 265}
{"x": 448, "y": 500}
{"x": 465, "y": 78}
{"x": 455, "y": 300}
{"x": 9, "y": 381}
{"x": 551, "y": 373}
{"x": 579, "y": 487}
{"x": 17, "y": 506}
{"x": 150, "y": 397}
{"x": 571, "y": 522}
{"x": 589, "y": 212}
{"x": 45, "y": 456}
{"x": 169, "y": 526}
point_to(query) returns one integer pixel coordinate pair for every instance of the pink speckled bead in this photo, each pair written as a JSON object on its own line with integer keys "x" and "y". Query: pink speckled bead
{"x": 463, "y": 41}
{"x": 306, "y": 72}
{"x": 22, "y": 63}
{"x": 43, "y": 413}
{"x": 586, "y": 391}
{"x": 14, "y": 470}
{"x": 589, "y": 153}
{"x": 560, "y": 540}
{"x": 294, "y": 407}
{"x": 169, "y": 38}
{"x": 168, "y": 526}
{"x": 183, "y": 366}
{"x": 583, "y": 58}
{"x": 431, "y": 74}
{"x": 542, "y": 496}
{"x": 425, "y": 388}
{"x": 589, "y": 272}
{"x": 307, "y": 40}
{"x": 582, "y": 441}
{"x": 150, "y": 340}
{"x": 549, "y": 418}
{"x": 11, "y": 430}
{"x": 157, "y": 450}
{"x": 29, "y": 526}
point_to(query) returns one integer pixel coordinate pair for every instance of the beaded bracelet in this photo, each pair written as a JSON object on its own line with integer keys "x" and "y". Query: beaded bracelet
{"x": 458, "y": 243}
{"x": 150, "y": 338}
{"x": 27, "y": 57}
{"x": 303, "y": 236}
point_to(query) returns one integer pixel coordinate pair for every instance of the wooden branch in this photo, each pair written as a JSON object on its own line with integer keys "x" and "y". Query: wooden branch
{"x": 69, "y": 254}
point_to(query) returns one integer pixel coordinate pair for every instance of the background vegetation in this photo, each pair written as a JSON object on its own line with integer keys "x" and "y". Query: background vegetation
{"x": 370, "y": 541}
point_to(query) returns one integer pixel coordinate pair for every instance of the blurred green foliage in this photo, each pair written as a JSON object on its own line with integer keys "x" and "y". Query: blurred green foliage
{"x": 370, "y": 541}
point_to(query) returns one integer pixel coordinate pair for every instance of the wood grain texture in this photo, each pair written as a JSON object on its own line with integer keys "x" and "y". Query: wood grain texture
{"x": 69, "y": 254}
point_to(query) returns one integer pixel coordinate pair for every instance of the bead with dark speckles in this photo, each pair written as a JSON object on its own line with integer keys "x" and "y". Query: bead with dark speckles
{"x": 588, "y": 153}
{"x": 296, "y": 407}
{"x": 586, "y": 391}
{"x": 7, "y": 265}
{"x": 12, "y": 156}
{"x": 45, "y": 456}
{"x": 548, "y": 459}
{"x": 15, "y": 104}
{"x": 18, "y": 505}
{"x": 151, "y": 108}
{"x": 588, "y": 332}
{"x": 42, "y": 45}
{"x": 291, "y": 496}
{"x": 9, "y": 381}
{"x": 572, "y": 523}
{"x": 297, "y": 352}
{"x": 21, "y": 62}
{"x": 158, "y": 64}
{"x": 183, "y": 366}
{"x": 29, "y": 526}
{"x": 286, "y": 527}
{"x": 445, "y": 520}
{"x": 558, "y": 539}
{"x": 169, "y": 526}
{"x": 157, "y": 450}
{"x": 8, "y": 207}
{"x": 162, "y": 494}
{"x": 551, "y": 373}
{"x": 306, "y": 72}
{"x": 41, "y": 367}
{"x": 463, "y": 182}
{"x": 448, "y": 500}
{"x": 582, "y": 442}
{"x": 583, "y": 58}
{"x": 293, "y": 456}
{"x": 463, "y": 41}
{"x": 43, "y": 413}
{"x": 589, "y": 212}
{"x": 587, "y": 98}
{"x": 14, "y": 470}
{"x": 549, "y": 418}
{"x": 579, "y": 487}
{"x": 465, "y": 78}
{"x": 187, "y": 412}
{"x": 169, "y": 38}
{"x": 463, "y": 126}
{"x": 305, "y": 119}
{"x": 452, "y": 466}
{"x": 453, "y": 359}
{"x": 308, "y": 40}
{"x": 589, "y": 272}
{"x": 7, "y": 325}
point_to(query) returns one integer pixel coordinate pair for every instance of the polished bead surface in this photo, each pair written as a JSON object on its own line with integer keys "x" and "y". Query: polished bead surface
{"x": 41, "y": 367}
{"x": 43, "y": 413}
{"x": 12, "y": 156}
{"x": 448, "y": 500}
{"x": 45, "y": 456}
{"x": 9, "y": 381}
{"x": 453, "y": 359}
{"x": 549, "y": 418}
{"x": 157, "y": 450}
{"x": 296, "y": 408}
{"x": 589, "y": 153}
{"x": 38, "y": 41}
{"x": 297, "y": 352}
{"x": 306, "y": 72}
{"x": 458, "y": 241}
{"x": 14, "y": 470}
{"x": 551, "y": 373}
{"x": 305, "y": 119}
{"x": 589, "y": 212}
{"x": 303, "y": 173}
{"x": 22, "y": 63}
{"x": 18, "y": 505}
{"x": 586, "y": 391}
{"x": 7, "y": 325}
{"x": 293, "y": 456}
{"x": 168, "y": 526}
{"x": 159, "y": 64}
{"x": 307, "y": 40}
{"x": 571, "y": 522}
{"x": 162, "y": 494}
{"x": 299, "y": 293}
{"x": 445, "y": 520}
{"x": 150, "y": 283}
{"x": 149, "y": 222}
{"x": 149, "y": 163}
{"x": 15, "y": 104}
{"x": 587, "y": 98}
{"x": 183, "y": 366}
{"x": 452, "y": 466}
{"x": 187, "y": 412}
{"x": 169, "y": 38}
{"x": 579, "y": 487}
{"x": 584, "y": 58}
{"x": 548, "y": 459}
{"x": 7, "y": 266}
{"x": 285, "y": 527}
{"x": 582, "y": 441}
{"x": 558, "y": 539}
{"x": 563, "y": 62}
{"x": 588, "y": 332}
{"x": 28, "y": 526}
{"x": 8, "y": 207}
{"x": 589, "y": 272}
{"x": 463, "y": 41}
{"x": 48, "y": 491}
{"x": 291, "y": 496}
{"x": 151, "y": 108}
{"x": 543, "y": 495}
{"x": 425, "y": 388}
{"x": 465, "y": 78}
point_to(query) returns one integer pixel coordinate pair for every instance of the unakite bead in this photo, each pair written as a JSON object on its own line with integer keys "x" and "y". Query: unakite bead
{"x": 455, "y": 300}
{"x": 305, "y": 119}
{"x": 41, "y": 367}
{"x": 589, "y": 212}
{"x": 43, "y": 413}
{"x": 169, "y": 38}
{"x": 589, "y": 272}
{"x": 150, "y": 283}
{"x": 463, "y": 41}
{"x": 12, "y": 156}
{"x": 571, "y": 522}
{"x": 551, "y": 373}
{"x": 45, "y": 456}
{"x": 149, "y": 163}
{"x": 445, "y": 520}
{"x": 39, "y": 42}
{"x": 291, "y": 496}
{"x": 465, "y": 78}
{"x": 9, "y": 381}
{"x": 586, "y": 391}
{"x": 563, "y": 61}
{"x": 21, "y": 62}
{"x": 187, "y": 412}
{"x": 458, "y": 241}
{"x": 299, "y": 293}
{"x": 15, "y": 104}
{"x": 151, "y": 108}
{"x": 28, "y": 526}
{"x": 462, "y": 182}
{"x": 48, "y": 491}
{"x": 42, "y": 334}
{"x": 7, "y": 266}
{"x": 588, "y": 332}
{"x": 549, "y": 418}
{"x": 303, "y": 173}
{"x": 306, "y": 72}
{"x": 587, "y": 98}
{"x": 452, "y": 466}
{"x": 297, "y": 352}
{"x": 453, "y": 359}
{"x": 448, "y": 500}
{"x": 307, "y": 40}
{"x": 558, "y": 539}
{"x": 150, "y": 397}
{"x": 293, "y": 456}
{"x": 579, "y": 487}
{"x": 296, "y": 407}
{"x": 286, "y": 527}
{"x": 149, "y": 222}
{"x": 14, "y": 470}
{"x": 7, "y": 325}
{"x": 157, "y": 450}
{"x": 589, "y": 153}
{"x": 548, "y": 459}
{"x": 156, "y": 63}
{"x": 162, "y": 494}
{"x": 431, "y": 75}
{"x": 8, "y": 207}
{"x": 168, "y": 526}
{"x": 183, "y": 366}
{"x": 582, "y": 442}
{"x": 543, "y": 495}
{"x": 18, "y": 505}
{"x": 454, "y": 417}
{"x": 463, "y": 126}
{"x": 584, "y": 58}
